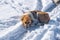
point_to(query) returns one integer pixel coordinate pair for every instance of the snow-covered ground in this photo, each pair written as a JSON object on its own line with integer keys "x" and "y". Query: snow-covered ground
{"x": 11, "y": 27}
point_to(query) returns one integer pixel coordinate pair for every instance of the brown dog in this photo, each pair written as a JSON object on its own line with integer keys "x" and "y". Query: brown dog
{"x": 28, "y": 18}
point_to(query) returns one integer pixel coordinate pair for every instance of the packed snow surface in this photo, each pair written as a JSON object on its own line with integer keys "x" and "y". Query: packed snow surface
{"x": 11, "y": 27}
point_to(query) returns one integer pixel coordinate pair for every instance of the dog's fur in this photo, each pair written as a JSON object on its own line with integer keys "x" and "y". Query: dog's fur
{"x": 28, "y": 18}
{"x": 43, "y": 17}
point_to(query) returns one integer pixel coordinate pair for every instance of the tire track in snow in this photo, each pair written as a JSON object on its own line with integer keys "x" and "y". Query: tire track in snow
{"x": 55, "y": 12}
{"x": 34, "y": 34}
{"x": 10, "y": 31}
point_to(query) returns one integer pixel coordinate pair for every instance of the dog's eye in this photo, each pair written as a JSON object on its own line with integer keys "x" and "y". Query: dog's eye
{"x": 26, "y": 22}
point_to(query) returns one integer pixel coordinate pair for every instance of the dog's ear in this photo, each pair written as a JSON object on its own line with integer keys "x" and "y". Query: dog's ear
{"x": 22, "y": 18}
{"x": 33, "y": 12}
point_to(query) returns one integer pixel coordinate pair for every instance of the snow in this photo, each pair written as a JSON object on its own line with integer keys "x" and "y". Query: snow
{"x": 11, "y": 27}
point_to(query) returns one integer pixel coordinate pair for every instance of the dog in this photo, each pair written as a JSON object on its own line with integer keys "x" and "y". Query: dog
{"x": 31, "y": 17}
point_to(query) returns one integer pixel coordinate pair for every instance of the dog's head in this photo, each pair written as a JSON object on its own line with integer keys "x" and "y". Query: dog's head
{"x": 26, "y": 20}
